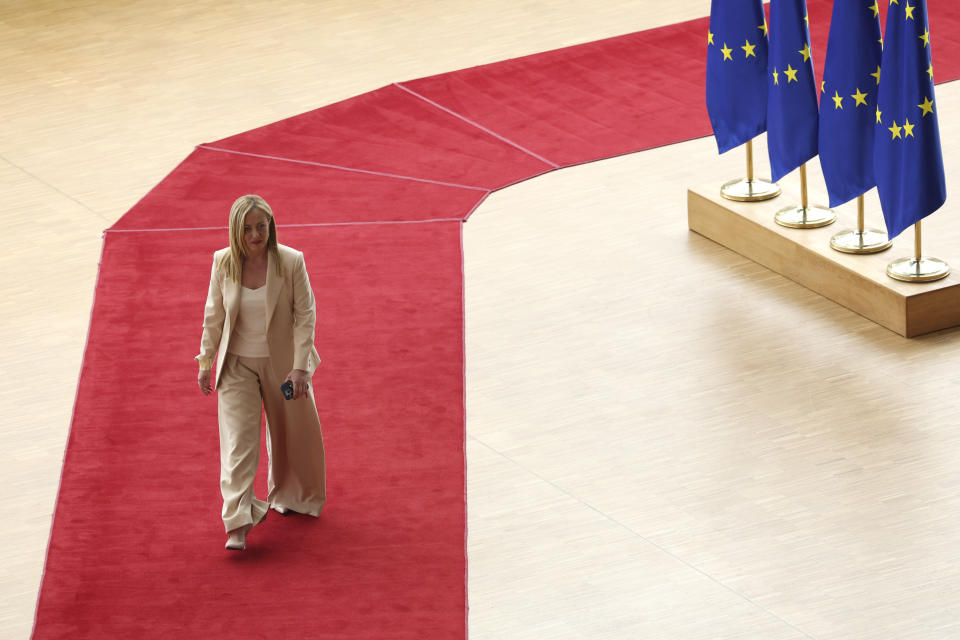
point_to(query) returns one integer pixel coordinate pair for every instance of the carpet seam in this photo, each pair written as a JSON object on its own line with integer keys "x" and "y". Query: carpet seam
{"x": 297, "y": 225}
{"x": 382, "y": 174}
{"x": 478, "y": 126}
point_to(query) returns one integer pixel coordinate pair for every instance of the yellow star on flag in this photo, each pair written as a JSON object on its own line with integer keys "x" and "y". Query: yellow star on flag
{"x": 861, "y": 98}
{"x": 805, "y": 52}
{"x": 894, "y": 1}
{"x": 709, "y": 37}
{"x": 930, "y": 71}
{"x": 823, "y": 86}
{"x": 876, "y": 9}
{"x": 837, "y": 100}
{"x": 726, "y": 52}
{"x": 927, "y": 106}
{"x": 806, "y": 18}
{"x": 908, "y": 10}
{"x": 776, "y": 76}
{"x": 791, "y": 74}
{"x": 895, "y": 130}
{"x": 878, "y": 116}
{"x": 908, "y": 128}
{"x": 748, "y": 49}
{"x": 877, "y": 74}
{"x": 925, "y": 37}
{"x": 763, "y": 28}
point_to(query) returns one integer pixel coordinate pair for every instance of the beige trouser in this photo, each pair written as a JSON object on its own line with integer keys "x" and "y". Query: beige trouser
{"x": 296, "y": 480}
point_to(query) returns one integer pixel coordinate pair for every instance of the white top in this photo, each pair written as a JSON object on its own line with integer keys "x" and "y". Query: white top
{"x": 249, "y": 337}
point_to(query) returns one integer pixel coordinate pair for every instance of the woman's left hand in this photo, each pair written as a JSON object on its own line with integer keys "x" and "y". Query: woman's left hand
{"x": 301, "y": 382}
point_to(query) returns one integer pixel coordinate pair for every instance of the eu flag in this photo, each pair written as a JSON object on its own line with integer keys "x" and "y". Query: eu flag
{"x": 736, "y": 71}
{"x": 792, "y": 96}
{"x": 849, "y": 100}
{"x": 907, "y": 158}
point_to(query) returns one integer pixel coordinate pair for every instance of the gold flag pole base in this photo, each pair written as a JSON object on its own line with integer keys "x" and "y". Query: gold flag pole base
{"x": 860, "y": 241}
{"x": 806, "y": 216}
{"x": 809, "y": 217}
{"x": 747, "y": 190}
{"x": 923, "y": 269}
{"x": 918, "y": 268}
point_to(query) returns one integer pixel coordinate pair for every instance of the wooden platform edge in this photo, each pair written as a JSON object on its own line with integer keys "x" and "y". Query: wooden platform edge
{"x": 804, "y": 257}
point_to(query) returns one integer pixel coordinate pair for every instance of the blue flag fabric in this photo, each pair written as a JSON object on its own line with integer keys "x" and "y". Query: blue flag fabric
{"x": 792, "y": 115}
{"x": 907, "y": 158}
{"x": 849, "y": 100}
{"x": 736, "y": 71}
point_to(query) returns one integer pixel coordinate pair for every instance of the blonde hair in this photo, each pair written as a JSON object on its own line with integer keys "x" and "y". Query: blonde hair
{"x": 232, "y": 263}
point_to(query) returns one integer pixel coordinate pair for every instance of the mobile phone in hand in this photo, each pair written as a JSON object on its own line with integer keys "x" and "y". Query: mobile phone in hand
{"x": 287, "y": 388}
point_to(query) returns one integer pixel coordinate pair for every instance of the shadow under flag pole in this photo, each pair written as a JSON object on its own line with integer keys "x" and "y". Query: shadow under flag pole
{"x": 918, "y": 268}
{"x": 860, "y": 240}
{"x": 749, "y": 189}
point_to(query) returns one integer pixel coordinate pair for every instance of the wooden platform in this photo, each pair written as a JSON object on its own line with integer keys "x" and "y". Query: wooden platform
{"x": 858, "y": 282}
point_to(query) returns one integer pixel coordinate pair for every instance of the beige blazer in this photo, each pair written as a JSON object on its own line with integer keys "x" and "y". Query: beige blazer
{"x": 291, "y": 315}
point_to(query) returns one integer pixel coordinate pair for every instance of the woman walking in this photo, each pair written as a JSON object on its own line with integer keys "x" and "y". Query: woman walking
{"x": 258, "y": 325}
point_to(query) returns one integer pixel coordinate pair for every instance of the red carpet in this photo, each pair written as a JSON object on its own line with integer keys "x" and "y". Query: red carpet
{"x": 373, "y": 190}
{"x": 136, "y": 546}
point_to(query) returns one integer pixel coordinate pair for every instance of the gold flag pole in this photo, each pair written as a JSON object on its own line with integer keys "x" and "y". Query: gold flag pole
{"x": 917, "y": 245}
{"x": 805, "y": 216}
{"x": 860, "y": 240}
{"x": 749, "y": 189}
{"x": 918, "y": 268}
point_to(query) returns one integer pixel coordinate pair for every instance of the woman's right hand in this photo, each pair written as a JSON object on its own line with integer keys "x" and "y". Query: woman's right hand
{"x": 204, "y": 379}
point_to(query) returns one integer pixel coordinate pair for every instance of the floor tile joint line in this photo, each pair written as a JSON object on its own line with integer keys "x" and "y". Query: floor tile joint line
{"x": 478, "y": 126}
{"x": 50, "y": 186}
{"x": 638, "y": 535}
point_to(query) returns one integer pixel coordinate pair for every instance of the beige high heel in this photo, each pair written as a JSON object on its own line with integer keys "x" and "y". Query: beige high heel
{"x": 237, "y": 539}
